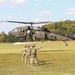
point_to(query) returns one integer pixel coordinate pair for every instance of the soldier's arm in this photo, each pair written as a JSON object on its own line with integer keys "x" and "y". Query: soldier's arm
{"x": 23, "y": 50}
{"x": 40, "y": 47}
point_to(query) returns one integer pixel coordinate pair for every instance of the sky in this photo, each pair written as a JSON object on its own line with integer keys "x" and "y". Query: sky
{"x": 34, "y": 11}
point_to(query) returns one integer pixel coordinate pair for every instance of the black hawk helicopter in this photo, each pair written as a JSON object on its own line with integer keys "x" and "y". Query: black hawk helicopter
{"x": 34, "y": 32}
{"x": 31, "y": 31}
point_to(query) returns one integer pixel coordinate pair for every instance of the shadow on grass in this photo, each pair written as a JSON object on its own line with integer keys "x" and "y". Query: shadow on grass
{"x": 45, "y": 62}
{"x": 55, "y": 50}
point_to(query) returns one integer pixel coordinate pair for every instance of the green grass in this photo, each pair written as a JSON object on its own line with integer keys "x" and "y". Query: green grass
{"x": 53, "y": 59}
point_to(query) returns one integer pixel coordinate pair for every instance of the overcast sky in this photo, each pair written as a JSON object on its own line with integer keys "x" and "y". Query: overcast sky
{"x": 35, "y": 10}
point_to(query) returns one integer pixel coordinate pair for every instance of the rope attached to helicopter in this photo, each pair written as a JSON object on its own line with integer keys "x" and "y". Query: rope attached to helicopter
{"x": 65, "y": 43}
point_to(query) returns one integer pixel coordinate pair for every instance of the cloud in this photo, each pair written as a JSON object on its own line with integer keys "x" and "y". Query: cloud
{"x": 11, "y": 2}
{"x": 2, "y": 17}
{"x": 2, "y": 1}
{"x": 17, "y": 2}
{"x": 45, "y": 13}
{"x": 41, "y": 0}
{"x": 42, "y": 19}
{"x": 36, "y": 19}
{"x": 71, "y": 11}
{"x": 6, "y": 17}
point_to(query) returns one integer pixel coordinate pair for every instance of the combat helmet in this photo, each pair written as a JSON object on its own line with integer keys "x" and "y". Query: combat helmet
{"x": 33, "y": 45}
{"x": 28, "y": 45}
{"x": 25, "y": 46}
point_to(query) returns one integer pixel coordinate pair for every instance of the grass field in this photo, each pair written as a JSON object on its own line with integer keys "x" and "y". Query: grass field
{"x": 53, "y": 59}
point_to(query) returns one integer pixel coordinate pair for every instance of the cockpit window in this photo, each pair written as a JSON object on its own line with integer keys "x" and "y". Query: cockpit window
{"x": 22, "y": 30}
{"x": 15, "y": 30}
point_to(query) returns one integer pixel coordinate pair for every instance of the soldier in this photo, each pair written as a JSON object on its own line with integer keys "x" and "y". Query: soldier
{"x": 24, "y": 52}
{"x": 28, "y": 54}
{"x": 34, "y": 54}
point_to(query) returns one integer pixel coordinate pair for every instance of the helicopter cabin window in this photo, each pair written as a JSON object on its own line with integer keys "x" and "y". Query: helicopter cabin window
{"x": 22, "y": 30}
{"x": 15, "y": 30}
{"x": 28, "y": 31}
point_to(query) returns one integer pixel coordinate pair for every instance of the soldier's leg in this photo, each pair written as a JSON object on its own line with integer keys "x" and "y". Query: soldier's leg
{"x": 26, "y": 58}
{"x": 35, "y": 60}
{"x": 23, "y": 55}
{"x": 31, "y": 60}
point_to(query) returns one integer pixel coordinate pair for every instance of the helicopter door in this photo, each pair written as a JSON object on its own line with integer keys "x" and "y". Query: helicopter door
{"x": 40, "y": 34}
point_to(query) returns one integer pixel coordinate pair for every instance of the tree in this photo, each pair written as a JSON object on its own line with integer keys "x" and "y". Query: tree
{"x": 2, "y": 38}
{"x": 11, "y": 38}
{"x": 66, "y": 28}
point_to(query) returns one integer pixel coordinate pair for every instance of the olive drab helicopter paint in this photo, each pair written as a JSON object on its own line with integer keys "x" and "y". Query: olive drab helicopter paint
{"x": 34, "y": 32}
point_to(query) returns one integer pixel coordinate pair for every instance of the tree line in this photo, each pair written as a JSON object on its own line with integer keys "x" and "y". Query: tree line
{"x": 9, "y": 38}
{"x": 65, "y": 28}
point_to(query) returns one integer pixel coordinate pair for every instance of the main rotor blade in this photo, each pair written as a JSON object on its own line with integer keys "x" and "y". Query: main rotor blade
{"x": 27, "y": 22}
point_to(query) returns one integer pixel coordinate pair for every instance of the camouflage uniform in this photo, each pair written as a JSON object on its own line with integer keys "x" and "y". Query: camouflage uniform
{"x": 24, "y": 52}
{"x": 28, "y": 54}
{"x": 34, "y": 54}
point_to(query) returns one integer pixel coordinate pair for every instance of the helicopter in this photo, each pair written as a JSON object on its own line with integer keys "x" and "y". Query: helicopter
{"x": 33, "y": 32}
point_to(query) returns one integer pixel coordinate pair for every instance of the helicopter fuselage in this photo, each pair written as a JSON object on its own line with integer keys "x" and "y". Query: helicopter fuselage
{"x": 35, "y": 33}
